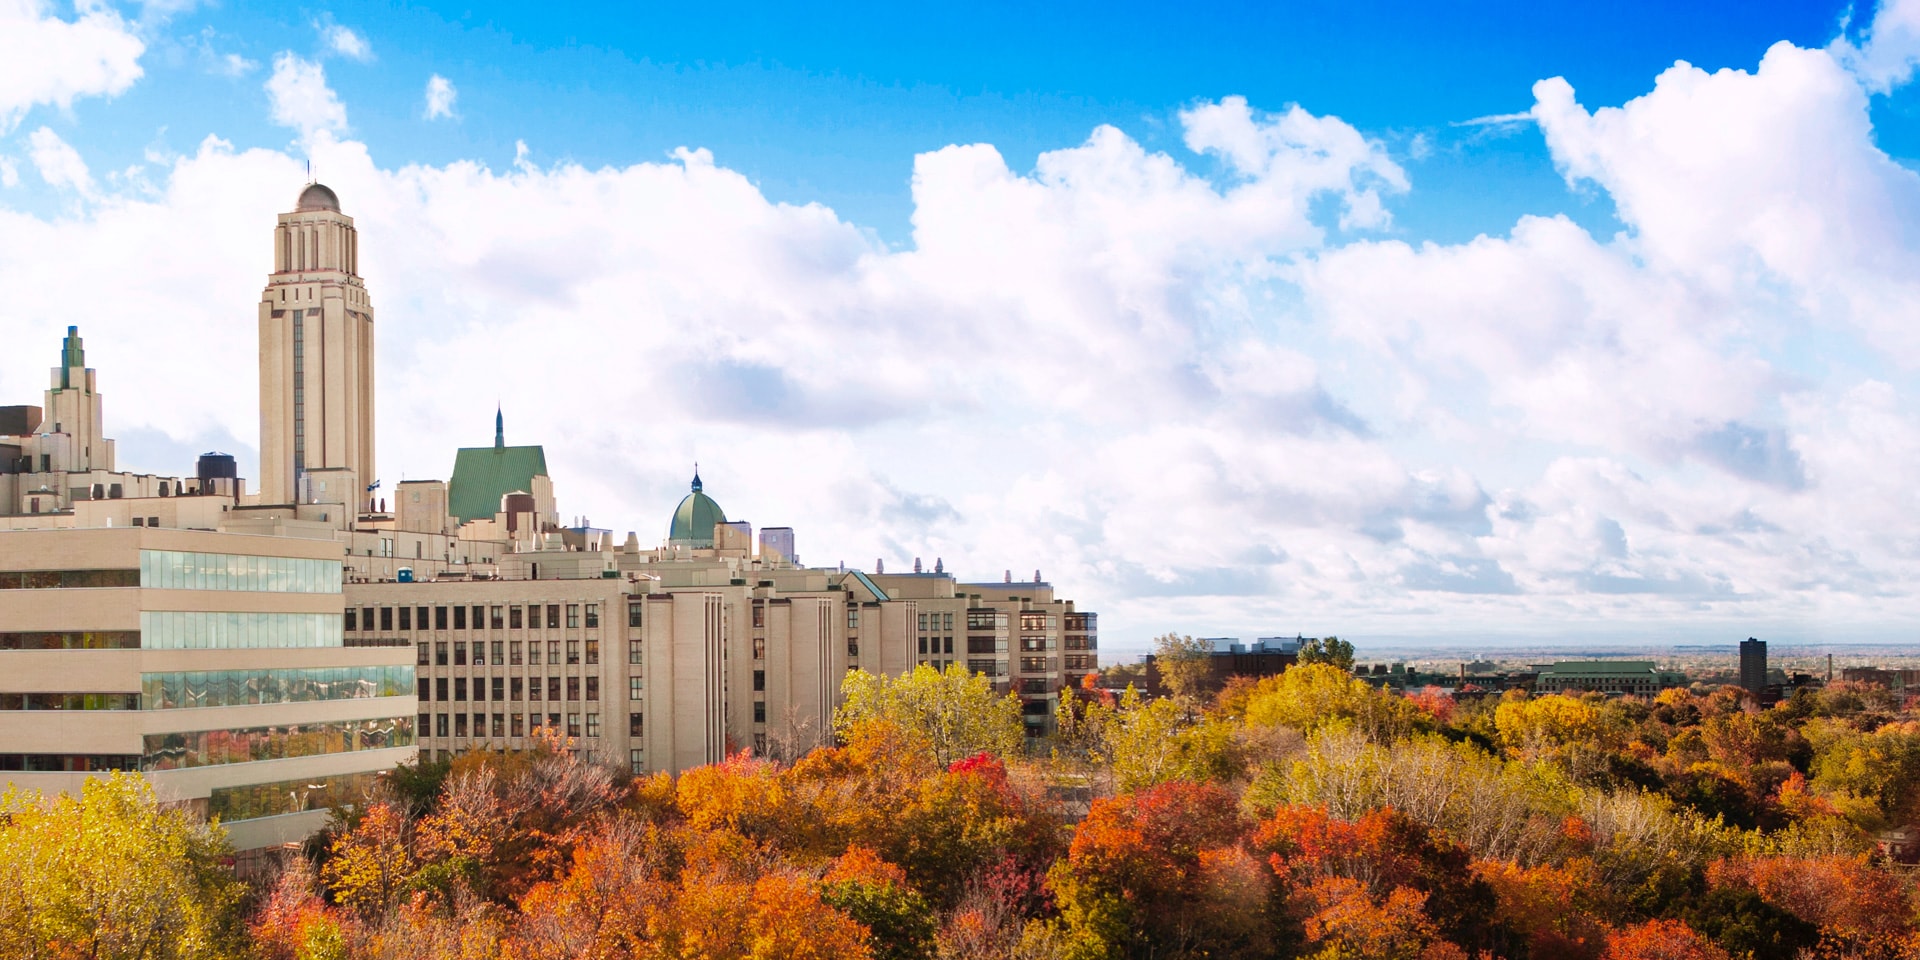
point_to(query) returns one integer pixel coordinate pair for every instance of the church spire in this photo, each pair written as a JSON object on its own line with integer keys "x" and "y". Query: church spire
{"x": 499, "y": 428}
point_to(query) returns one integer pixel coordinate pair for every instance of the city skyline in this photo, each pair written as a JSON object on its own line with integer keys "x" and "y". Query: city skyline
{"x": 1226, "y": 355}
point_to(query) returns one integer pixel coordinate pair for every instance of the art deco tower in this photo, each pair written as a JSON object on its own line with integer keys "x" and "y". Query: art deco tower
{"x": 316, "y": 360}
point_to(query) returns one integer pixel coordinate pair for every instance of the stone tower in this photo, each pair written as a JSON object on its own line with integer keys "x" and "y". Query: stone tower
{"x": 316, "y": 361}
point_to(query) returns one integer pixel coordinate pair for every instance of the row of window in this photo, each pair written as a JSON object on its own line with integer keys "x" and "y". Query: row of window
{"x": 69, "y": 701}
{"x": 180, "y": 570}
{"x": 511, "y": 653}
{"x": 482, "y": 617}
{"x": 216, "y": 630}
{"x": 504, "y": 725}
{"x": 936, "y": 623}
{"x": 229, "y": 688}
{"x": 937, "y": 645}
{"x": 69, "y": 762}
{"x": 511, "y": 688}
{"x": 203, "y": 748}
{"x": 67, "y": 579}
{"x": 256, "y": 800}
{"x": 72, "y": 640}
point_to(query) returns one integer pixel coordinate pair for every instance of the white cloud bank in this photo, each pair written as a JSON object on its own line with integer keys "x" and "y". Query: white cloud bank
{"x": 48, "y": 60}
{"x": 1177, "y": 396}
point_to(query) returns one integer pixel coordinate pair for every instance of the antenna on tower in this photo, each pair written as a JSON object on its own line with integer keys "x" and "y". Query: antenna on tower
{"x": 309, "y": 169}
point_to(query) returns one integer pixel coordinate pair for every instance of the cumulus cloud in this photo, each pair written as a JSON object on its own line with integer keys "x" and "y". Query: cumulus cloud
{"x": 1170, "y": 380}
{"x": 47, "y": 60}
{"x": 300, "y": 98}
{"x": 346, "y": 42}
{"x": 440, "y": 97}
{"x": 59, "y": 163}
{"x": 1883, "y": 57}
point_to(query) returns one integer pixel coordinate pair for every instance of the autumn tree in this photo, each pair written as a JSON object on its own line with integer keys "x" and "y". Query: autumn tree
{"x": 954, "y": 713}
{"x": 1184, "y": 665}
{"x": 1332, "y": 651}
{"x": 112, "y": 874}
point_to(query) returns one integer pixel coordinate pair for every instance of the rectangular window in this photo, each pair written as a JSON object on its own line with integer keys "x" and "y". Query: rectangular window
{"x": 516, "y": 687}
{"x": 479, "y": 616}
{"x": 947, "y": 645}
{"x": 633, "y": 614}
{"x": 459, "y": 688}
{"x": 573, "y": 725}
{"x": 636, "y": 724}
{"x": 480, "y": 688}
{"x": 759, "y": 648}
{"x": 533, "y": 689}
{"x": 853, "y": 618}
{"x": 499, "y": 724}
{"x": 573, "y": 651}
{"x": 759, "y": 712}
{"x": 593, "y": 615}
{"x": 759, "y": 680}
{"x": 420, "y": 617}
{"x": 516, "y": 653}
{"x": 459, "y": 724}
{"x": 499, "y": 650}
{"x": 440, "y": 654}
{"x": 424, "y": 722}
{"x": 923, "y": 623}
{"x": 553, "y": 651}
{"x": 593, "y": 725}
{"x": 386, "y": 618}
{"x": 422, "y": 658}
{"x": 593, "y": 688}
{"x": 479, "y": 652}
{"x": 353, "y": 620}
{"x": 553, "y": 722}
{"x": 553, "y": 688}
{"x": 440, "y": 724}
{"x": 637, "y": 759}
{"x": 479, "y": 724}
{"x": 519, "y": 725}
{"x": 946, "y": 622}
{"x": 533, "y": 616}
{"x": 1033, "y": 664}
{"x": 459, "y": 618}
{"x": 425, "y": 687}
{"x": 459, "y": 654}
{"x": 495, "y": 619}
{"x": 573, "y": 615}
{"x": 634, "y": 686}
{"x": 633, "y": 650}
{"x": 573, "y": 688}
{"x": 439, "y": 618}
{"x": 533, "y": 652}
{"x": 759, "y": 613}
{"x": 499, "y": 688}
{"x": 513, "y": 616}
{"x": 593, "y": 650}
{"x": 553, "y": 616}
{"x": 440, "y": 684}
{"x": 923, "y": 646}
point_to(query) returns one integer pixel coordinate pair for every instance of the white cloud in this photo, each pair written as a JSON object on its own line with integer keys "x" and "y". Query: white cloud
{"x": 47, "y": 60}
{"x": 440, "y": 97}
{"x": 59, "y": 164}
{"x": 346, "y": 42}
{"x": 301, "y": 99}
{"x": 1169, "y": 390}
{"x": 1888, "y": 49}
{"x": 9, "y": 172}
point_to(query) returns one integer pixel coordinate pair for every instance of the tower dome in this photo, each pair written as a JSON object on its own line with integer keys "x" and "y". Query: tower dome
{"x": 695, "y": 518}
{"x": 317, "y": 196}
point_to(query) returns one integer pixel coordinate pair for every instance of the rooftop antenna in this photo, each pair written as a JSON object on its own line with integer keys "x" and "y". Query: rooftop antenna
{"x": 309, "y": 170}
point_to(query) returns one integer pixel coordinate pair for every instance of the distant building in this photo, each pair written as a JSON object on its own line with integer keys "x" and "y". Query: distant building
{"x": 1895, "y": 680}
{"x": 1753, "y": 666}
{"x": 1639, "y": 677}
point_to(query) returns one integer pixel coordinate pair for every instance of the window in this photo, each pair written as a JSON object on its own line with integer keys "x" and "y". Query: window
{"x": 479, "y": 616}
{"x": 425, "y": 687}
{"x": 980, "y": 645}
{"x": 386, "y": 618}
{"x": 759, "y": 712}
{"x": 499, "y": 724}
{"x": 498, "y": 649}
{"x": 553, "y": 616}
{"x": 420, "y": 617}
{"x": 459, "y": 654}
{"x": 459, "y": 724}
{"x": 853, "y": 618}
{"x": 516, "y": 686}
{"x": 759, "y": 648}
{"x": 636, "y": 724}
{"x": 440, "y": 724}
{"x": 459, "y": 688}
{"x": 573, "y": 651}
{"x": 459, "y": 618}
{"x": 573, "y": 725}
{"x": 513, "y": 618}
{"x": 593, "y": 725}
{"x": 593, "y": 615}
{"x": 637, "y": 759}
{"x": 593, "y": 650}
{"x": 593, "y": 688}
{"x": 533, "y": 652}
{"x": 440, "y": 684}
{"x": 759, "y": 613}
{"x": 519, "y": 726}
{"x": 533, "y": 689}
{"x": 499, "y": 688}
{"x": 948, "y": 645}
{"x": 573, "y": 688}
{"x": 553, "y": 651}
{"x": 517, "y": 654}
{"x": 634, "y": 686}
{"x": 760, "y": 680}
{"x": 553, "y": 722}
{"x": 366, "y": 618}
{"x": 479, "y": 652}
{"x": 479, "y": 724}
{"x": 426, "y": 722}
{"x": 421, "y": 659}
{"x": 553, "y": 688}
{"x": 633, "y": 650}
{"x": 946, "y": 622}
{"x": 494, "y": 618}
{"x": 923, "y": 624}
{"x": 573, "y": 615}
{"x": 533, "y": 609}
{"x": 923, "y": 646}
{"x": 633, "y": 614}
{"x": 353, "y": 617}
{"x": 1033, "y": 664}
{"x": 439, "y": 618}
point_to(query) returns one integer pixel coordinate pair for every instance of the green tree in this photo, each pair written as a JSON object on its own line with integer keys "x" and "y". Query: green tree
{"x": 1183, "y": 664}
{"x": 113, "y": 874}
{"x": 954, "y": 714}
{"x": 1331, "y": 650}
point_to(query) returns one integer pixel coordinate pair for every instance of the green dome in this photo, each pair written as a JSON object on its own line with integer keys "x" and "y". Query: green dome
{"x": 695, "y": 518}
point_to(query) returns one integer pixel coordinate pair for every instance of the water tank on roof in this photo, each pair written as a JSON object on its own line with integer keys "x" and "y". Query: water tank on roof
{"x": 217, "y": 466}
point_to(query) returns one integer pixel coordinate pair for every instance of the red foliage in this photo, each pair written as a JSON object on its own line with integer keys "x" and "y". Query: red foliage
{"x": 1661, "y": 940}
{"x": 1846, "y": 897}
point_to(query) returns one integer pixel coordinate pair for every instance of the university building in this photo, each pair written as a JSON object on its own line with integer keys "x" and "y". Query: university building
{"x": 264, "y": 654}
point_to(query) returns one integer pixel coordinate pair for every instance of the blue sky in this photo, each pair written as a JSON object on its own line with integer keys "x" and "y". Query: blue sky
{"x": 1232, "y": 320}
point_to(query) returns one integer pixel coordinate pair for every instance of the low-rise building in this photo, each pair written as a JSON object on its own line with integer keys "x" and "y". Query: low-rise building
{"x": 1638, "y": 677}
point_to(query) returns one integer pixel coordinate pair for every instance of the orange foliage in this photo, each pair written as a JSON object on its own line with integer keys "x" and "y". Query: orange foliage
{"x": 1846, "y": 897}
{"x": 1545, "y": 905}
{"x": 1661, "y": 940}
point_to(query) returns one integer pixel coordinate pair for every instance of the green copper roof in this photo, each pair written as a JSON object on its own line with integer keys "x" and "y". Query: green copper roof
{"x": 72, "y": 354}
{"x": 482, "y": 475}
{"x": 695, "y": 518}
